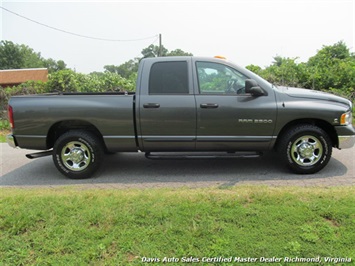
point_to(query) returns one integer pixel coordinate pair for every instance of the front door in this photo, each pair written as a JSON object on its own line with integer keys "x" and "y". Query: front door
{"x": 228, "y": 119}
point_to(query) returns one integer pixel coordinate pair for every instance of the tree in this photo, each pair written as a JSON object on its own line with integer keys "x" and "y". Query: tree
{"x": 15, "y": 56}
{"x": 10, "y": 56}
{"x": 338, "y": 51}
{"x": 332, "y": 67}
{"x": 286, "y": 72}
{"x": 254, "y": 68}
{"x": 53, "y": 65}
{"x": 283, "y": 71}
{"x": 125, "y": 70}
{"x": 130, "y": 67}
{"x": 154, "y": 51}
{"x": 31, "y": 59}
{"x": 178, "y": 52}
{"x": 278, "y": 60}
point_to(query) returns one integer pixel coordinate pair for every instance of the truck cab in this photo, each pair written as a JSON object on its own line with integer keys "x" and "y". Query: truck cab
{"x": 191, "y": 103}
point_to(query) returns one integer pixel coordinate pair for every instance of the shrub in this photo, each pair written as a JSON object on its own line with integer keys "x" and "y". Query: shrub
{"x": 69, "y": 81}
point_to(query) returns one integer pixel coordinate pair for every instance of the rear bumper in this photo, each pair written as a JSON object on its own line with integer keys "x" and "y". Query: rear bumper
{"x": 30, "y": 142}
{"x": 346, "y": 136}
{"x": 10, "y": 139}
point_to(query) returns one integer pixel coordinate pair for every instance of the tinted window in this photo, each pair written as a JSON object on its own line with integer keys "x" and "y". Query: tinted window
{"x": 168, "y": 78}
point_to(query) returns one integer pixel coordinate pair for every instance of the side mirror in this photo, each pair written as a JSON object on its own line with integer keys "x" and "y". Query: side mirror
{"x": 252, "y": 87}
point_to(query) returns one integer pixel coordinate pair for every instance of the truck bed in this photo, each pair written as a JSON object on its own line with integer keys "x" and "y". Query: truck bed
{"x": 112, "y": 114}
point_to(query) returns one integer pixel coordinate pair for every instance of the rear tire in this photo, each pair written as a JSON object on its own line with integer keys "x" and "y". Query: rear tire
{"x": 77, "y": 154}
{"x": 306, "y": 149}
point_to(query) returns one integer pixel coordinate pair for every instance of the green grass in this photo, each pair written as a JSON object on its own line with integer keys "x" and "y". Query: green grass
{"x": 3, "y": 134}
{"x": 4, "y": 129}
{"x": 73, "y": 226}
{"x": 4, "y": 124}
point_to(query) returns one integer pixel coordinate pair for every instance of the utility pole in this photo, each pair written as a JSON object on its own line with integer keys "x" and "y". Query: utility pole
{"x": 160, "y": 48}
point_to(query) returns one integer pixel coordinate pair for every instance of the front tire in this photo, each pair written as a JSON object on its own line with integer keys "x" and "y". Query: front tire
{"x": 77, "y": 154}
{"x": 306, "y": 149}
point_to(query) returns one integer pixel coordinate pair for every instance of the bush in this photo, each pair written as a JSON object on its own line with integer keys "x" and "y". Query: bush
{"x": 4, "y": 124}
{"x": 30, "y": 87}
{"x": 69, "y": 81}
{"x": 332, "y": 69}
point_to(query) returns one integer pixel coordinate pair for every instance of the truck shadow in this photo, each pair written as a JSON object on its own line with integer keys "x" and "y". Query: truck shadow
{"x": 134, "y": 170}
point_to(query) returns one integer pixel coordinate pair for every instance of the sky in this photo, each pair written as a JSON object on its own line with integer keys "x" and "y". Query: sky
{"x": 245, "y": 32}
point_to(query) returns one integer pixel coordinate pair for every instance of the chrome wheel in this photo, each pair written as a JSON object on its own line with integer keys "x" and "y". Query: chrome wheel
{"x": 76, "y": 156}
{"x": 307, "y": 150}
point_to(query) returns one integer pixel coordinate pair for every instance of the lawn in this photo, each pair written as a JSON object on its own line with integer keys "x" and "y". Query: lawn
{"x": 77, "y": 226}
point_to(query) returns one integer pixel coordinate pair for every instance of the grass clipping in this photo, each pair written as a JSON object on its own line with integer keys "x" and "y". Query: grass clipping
{"x": 72, "y": 226}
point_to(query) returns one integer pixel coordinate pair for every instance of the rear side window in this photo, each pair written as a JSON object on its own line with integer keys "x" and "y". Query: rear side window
{"x": 168, "y": 78}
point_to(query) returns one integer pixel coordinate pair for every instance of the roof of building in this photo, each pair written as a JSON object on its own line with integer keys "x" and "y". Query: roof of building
{"x": 18, "y": 76}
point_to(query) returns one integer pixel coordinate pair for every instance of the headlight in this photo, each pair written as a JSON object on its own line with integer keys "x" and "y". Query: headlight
{"x": 346, "y": 119}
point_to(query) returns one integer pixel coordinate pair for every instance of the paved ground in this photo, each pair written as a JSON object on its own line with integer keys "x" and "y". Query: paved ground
{"x": 133, "y": 170}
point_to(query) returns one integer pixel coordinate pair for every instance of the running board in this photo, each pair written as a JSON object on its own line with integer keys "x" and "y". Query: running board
{"x": 197, "y": 155}
{"x": 39, "y": 154}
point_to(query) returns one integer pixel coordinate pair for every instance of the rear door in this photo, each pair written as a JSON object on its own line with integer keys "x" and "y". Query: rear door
{"x": 166, "y": 106}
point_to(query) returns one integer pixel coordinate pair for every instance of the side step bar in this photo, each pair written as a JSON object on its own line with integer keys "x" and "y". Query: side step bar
{"x": 39, "y": 154}
{"x": 199, "y": 155}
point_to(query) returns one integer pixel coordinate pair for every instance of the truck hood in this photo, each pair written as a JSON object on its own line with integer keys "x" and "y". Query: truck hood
{"x": 312, "y": 94}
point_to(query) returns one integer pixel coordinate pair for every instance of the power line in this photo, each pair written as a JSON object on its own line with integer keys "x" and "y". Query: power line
{"x": 76, "y": 34}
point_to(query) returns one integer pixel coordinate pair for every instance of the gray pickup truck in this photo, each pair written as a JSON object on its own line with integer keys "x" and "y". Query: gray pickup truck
{"x": 184, "y": 107}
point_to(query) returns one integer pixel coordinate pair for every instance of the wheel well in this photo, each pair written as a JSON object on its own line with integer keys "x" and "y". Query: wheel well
{"x": 328, "y": 128}
{"x": 62, "y": 127}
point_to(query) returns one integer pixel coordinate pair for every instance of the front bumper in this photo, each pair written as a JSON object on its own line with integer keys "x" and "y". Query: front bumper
{"x": 346, "y": 142}
{"x": 10, "y": 139}
{"x": 346, "y": 136}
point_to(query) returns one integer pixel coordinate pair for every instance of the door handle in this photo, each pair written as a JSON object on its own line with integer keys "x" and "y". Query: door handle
{"x": 151, "y": 105}
{"x": 209, "y": 105}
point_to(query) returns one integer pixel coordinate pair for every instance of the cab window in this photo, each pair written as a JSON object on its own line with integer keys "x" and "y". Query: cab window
{"x": 168, "y": 78}
{"x": 214, "y": 78}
